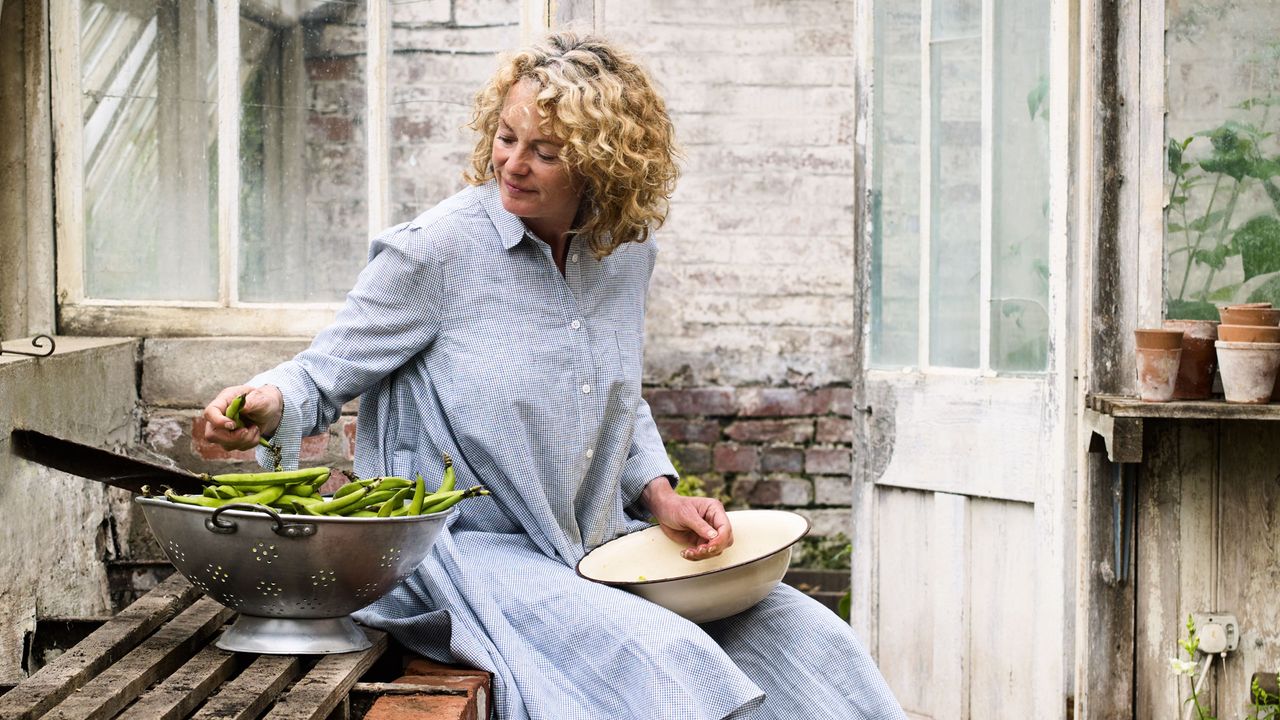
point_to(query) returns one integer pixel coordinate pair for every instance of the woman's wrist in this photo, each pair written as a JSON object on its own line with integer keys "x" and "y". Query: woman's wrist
{"x": 656, "y": 493}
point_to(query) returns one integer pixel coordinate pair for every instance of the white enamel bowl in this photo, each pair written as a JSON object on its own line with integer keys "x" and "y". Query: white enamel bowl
{"x": 649, "y": 564}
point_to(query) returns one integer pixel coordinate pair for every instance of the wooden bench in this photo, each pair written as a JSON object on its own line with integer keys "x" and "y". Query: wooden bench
{"x": 157, "y": 660}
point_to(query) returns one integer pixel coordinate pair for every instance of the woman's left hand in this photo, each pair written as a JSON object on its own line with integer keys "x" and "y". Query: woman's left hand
{"x": 699, "y": 523}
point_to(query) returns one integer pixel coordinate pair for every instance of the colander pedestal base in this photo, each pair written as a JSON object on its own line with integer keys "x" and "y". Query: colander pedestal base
{"x": 293, "y": 636}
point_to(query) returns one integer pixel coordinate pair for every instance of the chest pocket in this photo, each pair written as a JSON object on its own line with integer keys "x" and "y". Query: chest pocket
{"x": 628, "y": 365}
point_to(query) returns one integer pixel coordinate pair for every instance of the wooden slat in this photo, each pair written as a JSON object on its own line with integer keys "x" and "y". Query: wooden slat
{"x": 254, "y": 690}
{"x": 52, "y": 683}
{"x": 176, "y": 696}
{"x": 1120, "y": 406}
{"x": 156, "y": 657}
{"x": 317, "y": 694}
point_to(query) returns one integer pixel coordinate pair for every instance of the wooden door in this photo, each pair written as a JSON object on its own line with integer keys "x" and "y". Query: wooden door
{"x": 962, "y": 511}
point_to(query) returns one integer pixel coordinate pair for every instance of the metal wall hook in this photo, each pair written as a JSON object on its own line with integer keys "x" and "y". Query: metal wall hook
{"x": 35, "y": 342}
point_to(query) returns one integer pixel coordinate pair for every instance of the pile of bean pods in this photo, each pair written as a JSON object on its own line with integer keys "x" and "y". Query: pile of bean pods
{"x": 298, "y": 491}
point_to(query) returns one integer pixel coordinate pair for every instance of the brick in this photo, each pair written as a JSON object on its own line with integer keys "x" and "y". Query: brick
{"x": 797, "y": 432}
{"x": 332, "y": 128}
{"x": 688, "y": 430}
{"x": 834, "y": 431}
{"x": 828, "y": 461}
{"x": 832, "y": 490}
{"x": 731, "y": 458}
{"x": 782, "y": 402}
{"x": 828, "y": 523}
{"x": 782, "y": 459}
{"x": 314, "y": 447}
{"x": 349, "y": 437}
{"x": 423, "y": 707}
{"x": 692, "y": 458}
{"x": 322, "y": 69}
{"x": 691, "y": 402}
{"x": 796, "y": 492}
{"x": 841, "y": 401}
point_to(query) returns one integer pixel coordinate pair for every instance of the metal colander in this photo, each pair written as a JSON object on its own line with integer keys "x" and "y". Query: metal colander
{"x": 293, "y": 578}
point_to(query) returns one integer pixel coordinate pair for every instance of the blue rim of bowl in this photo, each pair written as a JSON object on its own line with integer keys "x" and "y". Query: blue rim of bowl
{"x": 293, "y": 517}
{"x": 808, "y": 525}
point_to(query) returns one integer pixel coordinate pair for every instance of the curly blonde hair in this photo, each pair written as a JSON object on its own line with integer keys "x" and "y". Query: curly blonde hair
{"x": 614, "y": 127}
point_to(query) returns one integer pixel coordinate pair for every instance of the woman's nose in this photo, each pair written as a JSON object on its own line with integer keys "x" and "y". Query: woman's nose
{"x": 518, "y": 161}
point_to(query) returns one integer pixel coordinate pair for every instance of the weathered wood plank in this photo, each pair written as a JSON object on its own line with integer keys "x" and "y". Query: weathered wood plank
{"x": 319, "y": 692}
{"x": 55, "y": 681}
{"x": 1247, "y": 555}
{"x": 157, "y": 656}
{"x": 948, "y": 602}
{"x": 180, "y": 693}
{"x": 905, "y": 617}
{"x": 1130, "y": 407}
{"x": 1173, "y": 488}
{"x": 1002, "y": 594}
{"x": 254, "y": 690}
{"x": 1121, "y": 436}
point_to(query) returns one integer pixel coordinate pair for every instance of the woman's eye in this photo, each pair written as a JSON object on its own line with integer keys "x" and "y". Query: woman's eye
{"x": 548, "y": 158}
{"x": 506, "y": 140}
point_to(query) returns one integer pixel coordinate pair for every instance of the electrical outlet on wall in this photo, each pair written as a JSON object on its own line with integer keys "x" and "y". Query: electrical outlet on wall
{"x": 1218, "y": 632}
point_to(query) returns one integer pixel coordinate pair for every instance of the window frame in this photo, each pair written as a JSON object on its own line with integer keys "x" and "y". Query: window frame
{"x": 922, "y": 364}
{"x": 228, "y": 315}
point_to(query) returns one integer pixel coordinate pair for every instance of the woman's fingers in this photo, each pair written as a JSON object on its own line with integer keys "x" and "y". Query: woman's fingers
{"x": 709, "y": 529}
{"x": 220, "y": 429}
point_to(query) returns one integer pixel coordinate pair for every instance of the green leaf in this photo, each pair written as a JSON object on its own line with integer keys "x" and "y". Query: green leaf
{"x": 1223, "y": 294}
{"x": 1173, "y": 228}
{"x": 1036, "y": 98}
{"x": 1204, "y": 222}
{"x": 845, "y": 606}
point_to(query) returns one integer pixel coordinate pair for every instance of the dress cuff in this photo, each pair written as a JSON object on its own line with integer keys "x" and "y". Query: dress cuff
{"x": 639, "y": 471}
{"x": 288, "y": 435}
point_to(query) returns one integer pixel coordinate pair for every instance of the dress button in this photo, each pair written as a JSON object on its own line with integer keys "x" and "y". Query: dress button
{"x": 590, "y": 452}
{"x": 575, "y": 324}
{"x": 586, "y": 388}
{"x": 573, "y": 257}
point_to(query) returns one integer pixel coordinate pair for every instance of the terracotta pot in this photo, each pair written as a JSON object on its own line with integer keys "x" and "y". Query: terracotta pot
{"x": 1249, "y": 333}
{"x": 1248, "y": 370}
{"x": 1158, "y": 353}
{"x": 1199, "y": 359}
{"x": 1249, "y": 316}
{"x": 1250, "y": 305}
{"x": 1158, "y": 338}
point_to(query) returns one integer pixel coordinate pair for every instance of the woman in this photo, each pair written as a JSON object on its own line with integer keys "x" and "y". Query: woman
{"x": 505, "y": 328}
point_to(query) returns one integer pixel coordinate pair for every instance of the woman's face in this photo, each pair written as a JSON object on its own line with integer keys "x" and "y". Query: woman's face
{"x": 535, "y": 183}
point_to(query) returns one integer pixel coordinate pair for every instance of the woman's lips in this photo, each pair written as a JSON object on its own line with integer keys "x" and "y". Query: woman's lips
{"x": 513, "y": 189}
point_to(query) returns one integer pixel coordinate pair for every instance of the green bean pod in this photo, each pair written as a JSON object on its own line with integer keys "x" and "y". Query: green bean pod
{"x": 419, "y": 494}
{"x": 193, "y": 499}
{"x": 332, "y": 506}
{"x": 364, "y": 514}
{"x": 287, "y": 500}
{"x": 450, "y": 476}
{"x": 373, "y": 498}
{"x": 285, "y": 477}
{"x": 263, "y": 497}
{"x": 353, "y": 486}
{"x": 233, "y": 410}
{"x": 396, "y": 502}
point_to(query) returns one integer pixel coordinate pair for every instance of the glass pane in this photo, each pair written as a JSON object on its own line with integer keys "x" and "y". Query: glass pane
{"x": 150, "y": 162}
{"x": 956, "y": 187}
{"x": 441, "y": 59}
{"x": 1222, "y": 223}
{"x": 304, "y": 231}
{"x": 895, "y": 187}
{"x": 1020, "y": 188}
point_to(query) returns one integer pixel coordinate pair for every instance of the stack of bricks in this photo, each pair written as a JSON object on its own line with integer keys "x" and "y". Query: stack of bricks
{"x": 776, "y": 447}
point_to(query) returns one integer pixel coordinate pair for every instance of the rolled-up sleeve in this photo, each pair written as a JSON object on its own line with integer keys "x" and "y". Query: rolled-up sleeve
{"x": 392, "y": 314}
{"x": 646, "y": 461}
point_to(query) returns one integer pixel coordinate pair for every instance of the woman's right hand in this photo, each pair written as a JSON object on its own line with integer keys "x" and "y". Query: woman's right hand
{"x": 263, "y": 407}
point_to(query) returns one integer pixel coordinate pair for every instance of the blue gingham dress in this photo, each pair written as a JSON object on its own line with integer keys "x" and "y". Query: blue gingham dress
{"x": 461, "y": 336}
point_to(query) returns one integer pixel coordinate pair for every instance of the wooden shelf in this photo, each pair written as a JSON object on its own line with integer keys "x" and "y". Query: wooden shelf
{"x": 1116, "y": 421}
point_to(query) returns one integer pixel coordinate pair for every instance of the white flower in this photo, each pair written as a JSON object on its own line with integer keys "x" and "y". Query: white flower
{"x": 1182, "y": 667}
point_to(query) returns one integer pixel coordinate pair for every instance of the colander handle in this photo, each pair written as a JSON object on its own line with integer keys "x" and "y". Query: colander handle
{"x": 224, "y": 526}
